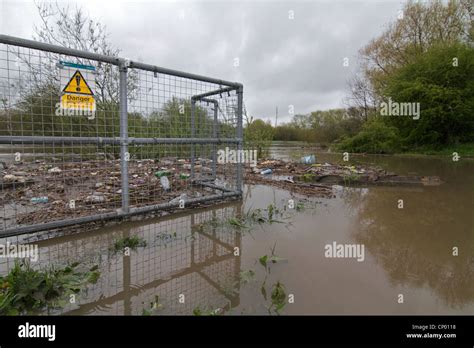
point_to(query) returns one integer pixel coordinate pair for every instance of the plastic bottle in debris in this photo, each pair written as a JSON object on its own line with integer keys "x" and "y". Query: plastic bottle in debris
{"x": 43, "y": 199}
{"x": 162, "y": 173}
{"x": 266, "y": 171}
{"x": 165, "y": 183}
{"x": 310, "y": 159}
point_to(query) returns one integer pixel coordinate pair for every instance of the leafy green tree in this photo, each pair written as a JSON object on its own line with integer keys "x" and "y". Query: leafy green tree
{"x": 442, "y": 81}
{"x": 375, "y": 137}
{"x": 420, "y": 26}
{"x": 258, "y": 136}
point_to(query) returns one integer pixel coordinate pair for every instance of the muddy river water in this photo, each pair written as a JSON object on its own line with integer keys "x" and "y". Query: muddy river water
{"x": 203, "y": 262}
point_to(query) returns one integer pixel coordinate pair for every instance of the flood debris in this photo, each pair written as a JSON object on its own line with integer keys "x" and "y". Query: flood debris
{"x": 37, "y": 191}
{"x": 310, "y": 159}
{"x": 97, "y": 197}
{"x": 317, "y": 179}
{"x": 55, "y": 170}
{"x": 40, "y": 191}
{"x": 183, "y": 197}
{"x": 43, "y": 199}
{"x": 165, "y": 183}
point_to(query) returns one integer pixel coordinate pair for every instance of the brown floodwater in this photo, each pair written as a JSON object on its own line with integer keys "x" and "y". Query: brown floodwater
{"x": 191, "y": 262}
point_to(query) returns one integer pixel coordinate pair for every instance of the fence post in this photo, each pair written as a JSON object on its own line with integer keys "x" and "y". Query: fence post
{"x": 214, "y": 146}
{"x": 240, "y": 137}
{"x": 193, "y": 135}
{"x": 124, "y": 154}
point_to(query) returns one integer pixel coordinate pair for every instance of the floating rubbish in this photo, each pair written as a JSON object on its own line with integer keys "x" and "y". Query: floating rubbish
{"x": 165, "y": 183}
{"x": 55, "y": 170}
{"x": 289, "y": 179}
{"x": 13, "y": 178}
{"x": 284, "y": 178}
{"x": 176, "y": 200}
{"x": 162, "y": 173}
{"x": 269, "y": 163}
{"x": 95, "y": 198}
{"x": 43, "y": 199}
{"x": 266, "y": 171}
{"x": 184, "y": 176}
{"x": 219, "y": 182}
{"x": 310, "y": 159}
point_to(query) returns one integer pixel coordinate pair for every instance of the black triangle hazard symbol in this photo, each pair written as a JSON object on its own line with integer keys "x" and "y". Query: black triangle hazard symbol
{"x": 78, "y": 85}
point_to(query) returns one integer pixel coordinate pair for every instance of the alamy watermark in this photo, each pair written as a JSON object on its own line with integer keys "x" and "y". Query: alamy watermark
{"x": 37, "y": 331}
{"x": 237, "y": 156}
{"x": 77, "y": 111}
{"x": 348, "y": 251}
{"x": 393, "y": 108}
{"x": 19, "y": 251}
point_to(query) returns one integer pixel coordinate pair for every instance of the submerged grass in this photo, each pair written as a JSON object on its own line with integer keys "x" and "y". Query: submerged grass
{"x": 154, "y": 307}
{"x": 198, "y": 311}
{"x": 278, "y": 298}
{"x": 265, "y": 259}
{"x": 132, "y": 243}
{"x": 257, "y": 216}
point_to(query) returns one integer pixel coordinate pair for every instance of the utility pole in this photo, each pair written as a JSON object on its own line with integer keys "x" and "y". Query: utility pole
{"x": 276, "y": 116}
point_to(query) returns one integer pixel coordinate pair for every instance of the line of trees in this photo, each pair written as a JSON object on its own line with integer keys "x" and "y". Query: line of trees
{"x": 425, "y": 57}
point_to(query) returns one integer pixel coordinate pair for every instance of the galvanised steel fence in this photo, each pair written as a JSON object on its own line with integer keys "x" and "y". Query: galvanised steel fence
{"x": 86, "y": 137}
{"x": 189, "y": 254}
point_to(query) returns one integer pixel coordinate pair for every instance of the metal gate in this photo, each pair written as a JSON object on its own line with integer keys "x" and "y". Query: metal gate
{"x": 146, "y": 140}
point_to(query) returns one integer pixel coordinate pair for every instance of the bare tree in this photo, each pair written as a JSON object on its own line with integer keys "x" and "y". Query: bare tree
{"x": 362, "y": 98}
{"x": 419, "y": 27}
{"x": 74, "y": 29}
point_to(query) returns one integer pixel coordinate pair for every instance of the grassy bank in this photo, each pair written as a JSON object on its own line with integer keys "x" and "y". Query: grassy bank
{"x": 463, "y": 150}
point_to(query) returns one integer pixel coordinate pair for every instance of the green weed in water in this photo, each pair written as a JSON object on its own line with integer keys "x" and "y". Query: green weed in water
{"x": 247, "y": 276}
{"x": 300, "y": 206}
{"x": 209, "y": 312}
{"x": 278, "y": 297}
{"x": 273, "y": 258}
{"x": 308, "y": 177}
{"x": 28, "y": 291}
{"x": 154, "y": 306}
{"x": 132, "y": 243}
{"x": 236, "y": 223}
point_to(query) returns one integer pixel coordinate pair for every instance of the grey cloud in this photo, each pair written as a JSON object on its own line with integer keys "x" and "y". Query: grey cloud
{"x": 282, "y": 61}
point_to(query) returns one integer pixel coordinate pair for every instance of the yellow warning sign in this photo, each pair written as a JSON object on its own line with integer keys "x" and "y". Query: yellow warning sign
{"x": 77, "y": 102}
{"x": 78, "y": 85}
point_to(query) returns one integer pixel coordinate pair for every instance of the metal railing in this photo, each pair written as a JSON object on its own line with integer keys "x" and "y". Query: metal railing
{"x": 61, "y": 168}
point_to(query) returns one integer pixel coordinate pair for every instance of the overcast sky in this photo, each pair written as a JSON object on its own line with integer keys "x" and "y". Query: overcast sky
{"x": 282, "y": 61}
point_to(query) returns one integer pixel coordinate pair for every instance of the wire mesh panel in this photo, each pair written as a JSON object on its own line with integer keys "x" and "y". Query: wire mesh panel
{"x": 85, "y": 137}
{"x": 162, "y": 107}
{"x": 189, "y": 255}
